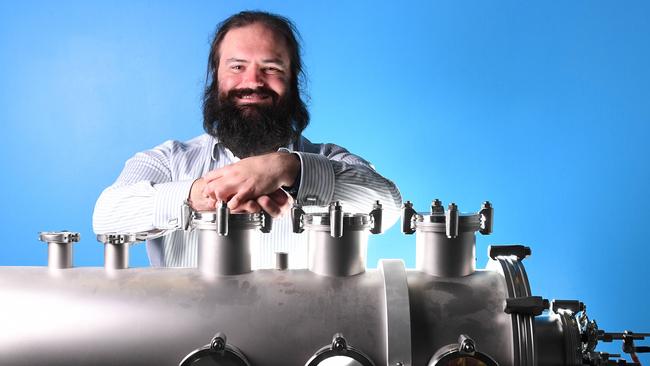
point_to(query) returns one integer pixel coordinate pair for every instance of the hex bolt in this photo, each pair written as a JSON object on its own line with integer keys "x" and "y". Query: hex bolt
{"x": 436, "y": 207}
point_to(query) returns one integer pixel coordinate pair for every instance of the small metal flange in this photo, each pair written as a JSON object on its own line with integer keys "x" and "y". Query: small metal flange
{"x": 117, "y": 238}
{"x": 59, "y": 237}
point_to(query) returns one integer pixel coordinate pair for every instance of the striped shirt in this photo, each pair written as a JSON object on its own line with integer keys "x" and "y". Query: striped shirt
{"x": 154, "y": 184}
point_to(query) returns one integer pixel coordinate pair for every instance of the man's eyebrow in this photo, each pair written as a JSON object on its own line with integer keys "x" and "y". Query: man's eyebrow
{"x": 274, "y": 61}
{"x": 233, "y": 59}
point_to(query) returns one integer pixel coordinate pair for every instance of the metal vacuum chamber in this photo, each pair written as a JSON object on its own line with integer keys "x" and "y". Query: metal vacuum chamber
{"x": 443, "y": 312}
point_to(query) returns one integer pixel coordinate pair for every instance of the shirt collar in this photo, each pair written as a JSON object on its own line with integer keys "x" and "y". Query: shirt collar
{"x": 215, "y": 143}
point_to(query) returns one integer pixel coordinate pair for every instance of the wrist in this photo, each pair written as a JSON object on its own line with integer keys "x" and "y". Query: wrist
{"x": 292, "y": 183}
{"x": 291, "y": 163}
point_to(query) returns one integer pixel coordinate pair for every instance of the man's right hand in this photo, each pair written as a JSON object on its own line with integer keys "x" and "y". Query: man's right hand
{"x": 275, "y": 203}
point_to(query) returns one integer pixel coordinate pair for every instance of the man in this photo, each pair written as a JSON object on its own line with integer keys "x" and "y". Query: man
{"x": 253, "y": 156}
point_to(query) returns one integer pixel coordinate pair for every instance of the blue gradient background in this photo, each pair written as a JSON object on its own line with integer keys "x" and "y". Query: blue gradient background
{"x": 541, "y": 107}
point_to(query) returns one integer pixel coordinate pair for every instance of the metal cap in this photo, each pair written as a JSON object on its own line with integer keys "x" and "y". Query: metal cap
{"x": 59, "y": 237}
{"x": 117, "y": 238}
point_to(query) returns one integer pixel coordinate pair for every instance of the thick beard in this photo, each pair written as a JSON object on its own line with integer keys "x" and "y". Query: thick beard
{"x": 249, "y": 130}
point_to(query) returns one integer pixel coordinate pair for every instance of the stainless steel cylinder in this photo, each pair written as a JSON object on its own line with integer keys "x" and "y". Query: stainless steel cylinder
{"x": 59, "y": 248}
{"x": 59, "y": 255}
{"x": 116, "y": 249}
{"x": 281, "y": 261}
{"x": 337, "y": 256}
{"x": 229, "y": 254}
{"x": 439, "y": 255}
{"x": 116, "y": 256}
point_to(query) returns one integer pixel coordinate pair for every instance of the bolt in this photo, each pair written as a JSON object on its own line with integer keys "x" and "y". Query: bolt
{"x": 468, "y": 347}
{"x": 339, "y": 344}
{"x": 399, "y": 363}
{"x": 218, "y": 344}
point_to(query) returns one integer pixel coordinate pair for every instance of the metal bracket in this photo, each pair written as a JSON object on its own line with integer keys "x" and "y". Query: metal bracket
{"x": 519, "y": 251}
{"x": 528, "y": 305}
{"x": 267, "y": 222}
{"x": 297, "y": 222}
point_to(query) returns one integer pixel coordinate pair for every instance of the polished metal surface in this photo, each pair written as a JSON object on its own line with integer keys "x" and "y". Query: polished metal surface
{"x": 397, "y": 312}
{"x": 59, "y": 248}
{"x": 338, "y": 313}
{"x": 116, "y": 249}
{"x": 517, "y": 285}
{"x": 344, "y": 256}
{"x": 225, "y": 241}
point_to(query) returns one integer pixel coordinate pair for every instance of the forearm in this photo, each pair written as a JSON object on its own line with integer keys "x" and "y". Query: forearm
{"x": 349, "y": 179}
{"x": 140, "y": 207}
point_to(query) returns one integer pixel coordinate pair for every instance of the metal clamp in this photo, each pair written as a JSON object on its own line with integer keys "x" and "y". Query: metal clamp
{"x": 574, "y": 306}
{"x": 451, "y": 221}
{"x": 528, "y": 305}
{"x": 518, "y": 251}
{"x": 117, "y": 239}
{"x": 408, "y": 213}
{"x": 59, "y": 237}
{"x": 376, "y": 217}
{"x": 336, "y": 219}
{"x": 487, "y": 218}
{"x": 223, "y": 215}
{"x": 267, "y": 222}
{"x": 297, "y": 218}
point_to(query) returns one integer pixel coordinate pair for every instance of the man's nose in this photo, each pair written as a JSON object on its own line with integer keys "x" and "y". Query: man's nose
{"x": 253, "y": 78}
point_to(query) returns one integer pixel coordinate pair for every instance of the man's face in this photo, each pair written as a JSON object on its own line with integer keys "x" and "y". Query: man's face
{"x": 253, "y": 66}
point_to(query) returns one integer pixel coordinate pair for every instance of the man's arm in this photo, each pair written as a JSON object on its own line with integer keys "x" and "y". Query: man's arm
{"x": 145, "y": 197}
{"x": 327, "y": 173}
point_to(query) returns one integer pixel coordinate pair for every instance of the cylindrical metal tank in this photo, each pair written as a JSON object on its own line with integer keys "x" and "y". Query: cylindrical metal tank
{"x": 438, "y": 314}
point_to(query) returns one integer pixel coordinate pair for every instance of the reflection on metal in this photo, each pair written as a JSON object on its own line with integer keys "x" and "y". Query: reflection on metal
{"x": 339, "y": 353}
{"x": 217, "y": 353}
{"x": 443, "y": 312}
{"x": 463, "y": 353}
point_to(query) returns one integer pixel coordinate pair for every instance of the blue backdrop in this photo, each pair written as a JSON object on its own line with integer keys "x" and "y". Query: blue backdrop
{"x": 541, "y": 107}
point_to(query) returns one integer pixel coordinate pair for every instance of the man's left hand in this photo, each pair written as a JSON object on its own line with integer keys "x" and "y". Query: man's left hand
{"x": 251, "y": 178}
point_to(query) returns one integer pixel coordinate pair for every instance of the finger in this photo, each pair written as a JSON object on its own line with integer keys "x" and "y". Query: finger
{"x": 222, "y": 189}
{"x": 214, "y": 174}
{"x": 243, "y": 194}
{"x": 269, "y": 205}
{"x": 279, "y": 196}
{"x": 248, "y": 206}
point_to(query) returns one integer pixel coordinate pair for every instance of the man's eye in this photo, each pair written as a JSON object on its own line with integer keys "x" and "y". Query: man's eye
{"x": 272, "y": 70}
{"x": 236, "y": 67}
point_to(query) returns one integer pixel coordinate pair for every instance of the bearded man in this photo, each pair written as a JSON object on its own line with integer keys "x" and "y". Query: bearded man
{"x": 253, "y": 155}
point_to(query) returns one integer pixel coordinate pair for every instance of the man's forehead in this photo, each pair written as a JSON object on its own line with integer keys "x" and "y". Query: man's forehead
{"x": 254, "y": 40}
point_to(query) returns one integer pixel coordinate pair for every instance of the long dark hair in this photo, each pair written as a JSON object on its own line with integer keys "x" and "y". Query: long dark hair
{"x": 284, "y": 28}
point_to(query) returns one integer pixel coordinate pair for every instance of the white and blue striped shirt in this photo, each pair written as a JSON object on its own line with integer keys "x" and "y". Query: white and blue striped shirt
{"x": 150, "y": 191}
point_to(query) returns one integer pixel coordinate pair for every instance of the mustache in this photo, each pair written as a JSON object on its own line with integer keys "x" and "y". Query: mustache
{"x": 261, "y": 91}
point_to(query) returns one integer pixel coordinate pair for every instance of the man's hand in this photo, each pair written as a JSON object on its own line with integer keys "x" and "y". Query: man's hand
{"x": 250, "y": 184}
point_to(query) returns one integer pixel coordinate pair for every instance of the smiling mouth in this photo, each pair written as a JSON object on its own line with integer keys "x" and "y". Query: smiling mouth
{"x": 253, "y": 98}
